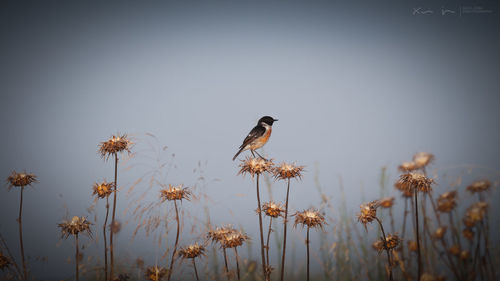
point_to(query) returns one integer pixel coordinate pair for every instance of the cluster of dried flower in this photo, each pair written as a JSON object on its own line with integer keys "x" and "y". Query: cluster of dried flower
{"x": 311, "y": 217}
{"x": 75, "y": 226}
{"x": 20, "y": 179}
{"x": 175, "y": 193}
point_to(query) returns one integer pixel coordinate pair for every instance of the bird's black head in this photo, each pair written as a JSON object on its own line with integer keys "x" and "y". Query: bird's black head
{"x": 267, "y": 120}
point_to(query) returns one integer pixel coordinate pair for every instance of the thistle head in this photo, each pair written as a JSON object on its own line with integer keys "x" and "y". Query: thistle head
{"x": 273, "y": 209}
{"x": 447, "y": 201}
{"x": 392, "y": 241}
{"x": 422, "y": 159}
{"x": 479, "y": 186}
{"x": 102, "y": 189}
{"x": 311, "y": 217}
{"x": 368, "y": 212}
{"x": 155, "y": 273}
{"x": 175, "y": 193}
{"x": 219, "y": 233}
{"x": 287, "y": 171}
{"x": 386, "y": 202}
{"x": 20, "y": 179}
{"x": 475, "y": 213}
{"x": 468, "y": 233}
{"x": 255, "y": 166}
{"x": 415, "y": 181}
{"x": 75, "y": 226}
{"x": 439, "y": 233}
{"x": 406, "y": 167}
{"x": 234, "y": 239}
{"x": 114, "y": 145}
{"x": 192, "y": 251}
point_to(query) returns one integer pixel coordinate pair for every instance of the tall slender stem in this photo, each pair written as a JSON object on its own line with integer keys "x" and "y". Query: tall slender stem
{"x": 264, "y": 271}
{"x": 285, "y": 222}
{"x": 20, "y": 221}
{"x": 386, "y": 249}
{"x": 418, "y": 238}
{"x": 237, "y": 262}
{"x": 106, "y": 240}
{"x": 77, "y": 256}
{"x": 176, "y": 241}
{"x": 195, "y": 271}
{"x": 307, "y": 245}
{"x": 267, "y": 242}
{"x": 225, "y": 264}
{"x": 113, "y": 221}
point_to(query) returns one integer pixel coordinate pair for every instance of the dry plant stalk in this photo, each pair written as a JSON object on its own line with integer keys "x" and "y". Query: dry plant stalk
{"x": 192, "y": 252}
{"x": 312, "y": 219}
{"x": 74, "y": 227}
{"x": 103, "y": 190}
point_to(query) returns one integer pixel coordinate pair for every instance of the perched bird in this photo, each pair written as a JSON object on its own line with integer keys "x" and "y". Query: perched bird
{"x": 258, "y": 136}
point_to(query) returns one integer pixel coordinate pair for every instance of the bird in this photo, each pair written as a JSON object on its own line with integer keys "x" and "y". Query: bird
{"x": 258, "y": 136}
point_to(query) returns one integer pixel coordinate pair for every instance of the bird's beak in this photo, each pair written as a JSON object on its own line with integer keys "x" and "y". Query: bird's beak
{"x": 275, "y": 119}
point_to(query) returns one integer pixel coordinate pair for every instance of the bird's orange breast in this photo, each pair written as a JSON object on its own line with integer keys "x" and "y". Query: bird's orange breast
{"x": 260, "y": 141}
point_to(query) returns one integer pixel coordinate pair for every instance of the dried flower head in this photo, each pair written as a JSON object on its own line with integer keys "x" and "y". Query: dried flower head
{"x": 286, "y": 171}
{"x": 392, "y": 241}
{"x": 378, "y": 245}
{"x": 155, "y": 273}
{"x": 447, "y": 201}
{"x": 255, "y": 166}
{"x": 311, "y": 218}
{"x": 454, "y": 250}
{"x": 75, "y": 226}
{"x": 418, "y": 181}
{"x": 102, "y": 189}
{"x": 273, "y": 209}
{"x": 479, "y": 186}
{"x": 114, "y": 145}
{"x": 468, "y": 233}
{"x": 192, "y": 251}
{"x": 220, "y": 233}
{"x": 368, "y": 212}
{"x": 407, "y": 167}
{"x": 234, "y": 240}
{"x": 440, "y": 232}
{"x": 175, "y": 193}
{"x": 21, "y": 179}
{"x": 422, "y": 159}
{"x": 412, "y": 246}
{"x": 386, "y": 202}
{"x": 475, "y": 213}
{"x": 4, "y": 261}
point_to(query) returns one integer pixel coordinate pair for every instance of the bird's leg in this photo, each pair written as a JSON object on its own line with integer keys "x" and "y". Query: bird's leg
{"x": 252, "y": 153}
{"x": 260, "y": 155}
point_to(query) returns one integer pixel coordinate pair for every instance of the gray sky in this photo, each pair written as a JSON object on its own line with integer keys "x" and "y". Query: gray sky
{"x": 355, "y": 86}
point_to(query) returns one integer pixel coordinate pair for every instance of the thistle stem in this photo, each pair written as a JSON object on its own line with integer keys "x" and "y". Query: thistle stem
{"x": 267, "y": 243}
{"x": 261, "y": 232}
{"x": 237, "y": 263}
{"x": 307, "y": 246}
{"x": 285, "y": 222}
{"x": 113, "y": 221}
{"x": 20, "y": 221}
{"x": 176, "y": 242}
{"x": 77, "y": 255}
{"x": 386, "y": 249}
{"x": 225, "y": 264}
{"x": 106, "y": 240}
{"x": 195, "y": 271}
{"x": 418, "y": 238}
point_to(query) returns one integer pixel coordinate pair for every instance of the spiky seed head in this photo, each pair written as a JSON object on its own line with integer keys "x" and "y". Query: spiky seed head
{"x": 311, "y": 218}
{"x": 412, "y": 246}
{"x": 114, "y": 145}
{"x": 4, "y": 261}
{"x": 468, "y": 233}
{"x": 454, "y": 250}
{"x": 479, "y": 186}
{"x": 155, "y": 273}
{"x": 175, "y": 193}
{"x": 273, "y": 209}
{"x": 102, "y": 189}
{"x": 418, "y": 181}
{"x": 440, "y": 232}
{"x": 422, "y": 159}
{"x": 192, "y": 251}
{"x": 407, "y": 167}
{"x": 286, "y": 171}
{"x": 75, "y": 226}
{"x": 20, "y": 179}
{"x": 475, "y": 213}
{"x": 368, "y": 212}
{"x": 392, "y": 241}
{"x": 255, "y": 166}
{"x": 447, "y": 201}
{"x": 378, "y": 245}
{"x": 219, "y": 233}
{"x": 234, "y": 240}
{"x": 386, "y": 202}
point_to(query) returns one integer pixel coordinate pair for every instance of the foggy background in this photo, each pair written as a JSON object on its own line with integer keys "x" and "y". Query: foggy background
{"x": 356, "y": 86}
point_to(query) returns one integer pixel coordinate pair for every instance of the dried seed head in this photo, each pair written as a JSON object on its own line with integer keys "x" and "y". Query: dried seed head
{"x": 175, "y": 193}
{"x": 4, "y": 262}
{"x": 479, "y": 186}
{"x": 418, "y": 181}
{"x": 412, "y": 246}
{"x": 286, "y": 171}
{"x": 378, "y": 245}
{"x": 155, "y": 273}
{"x": 475, "y": 213}
{"x": 405, "y": 192}
{"x": 468, "y": 233}
{"x": 447, "y": 201}
{"x": 192, "y": 251}
{"x": 21, "y": 179}
{"x": 440, "y": 232}
{"x": 392, "y": 241}
{"x": 220, "y": 233}
{"x": 454, "y": 250}
{"x": 102, "y": 189}
{"x": 234, "y": 240}
{"x": 75, "y": 226}
{"x": 407, "y": 167}
{"x": 273, "y": 209}
{"x": 368, "y": 212}
{"x": 386, "y": 202}
{"x": 422, "y": 159}
{"x": 255, "y": 166}
{"x": 114, "y": 145}
{"x": 311, "y": 218}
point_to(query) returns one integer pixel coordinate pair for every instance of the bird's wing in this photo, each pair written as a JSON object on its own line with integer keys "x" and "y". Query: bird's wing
{"x": 256, "y": 132}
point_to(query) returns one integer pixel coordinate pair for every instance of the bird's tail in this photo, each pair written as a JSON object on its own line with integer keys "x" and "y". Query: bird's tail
{"x": 237, "y": 153}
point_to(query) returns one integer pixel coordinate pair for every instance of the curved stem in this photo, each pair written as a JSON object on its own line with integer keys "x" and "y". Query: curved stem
{"x": 77, "y": 255}
{"x": 225, "y": 264}
{"x": 106, "y": 240}
{"x": 176, "y": 241}
{"x": 267, "y": 242}
{"x": 285, "y": 222}
{"x": 307, "y": 245}
{"x": 386, "y": 248}
{"x": 113, "y": 221}
{"x": 20, "y": 221}
{"x": 418, "y": 238}
{"x": 264, "y": 271}
{"x": 195, "y": 271}
{"x": 237, "y": 263}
